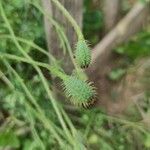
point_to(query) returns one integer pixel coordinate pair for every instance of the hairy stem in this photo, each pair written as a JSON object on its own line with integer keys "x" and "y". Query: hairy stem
{"x": 70, "y": 19}
{"x": 54, "y": 104}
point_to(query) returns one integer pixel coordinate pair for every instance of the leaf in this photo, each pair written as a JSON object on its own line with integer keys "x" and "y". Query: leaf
{"x": 116, "y": 74}
{"x": 8, "y": 138}
{"x": 147, "y": 141}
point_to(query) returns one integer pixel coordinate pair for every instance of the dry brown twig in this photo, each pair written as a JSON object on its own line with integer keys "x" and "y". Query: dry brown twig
{"x": 125, "y": 29}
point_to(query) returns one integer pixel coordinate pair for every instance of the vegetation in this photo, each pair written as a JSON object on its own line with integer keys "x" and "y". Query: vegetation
{"x": 35, "y": 115}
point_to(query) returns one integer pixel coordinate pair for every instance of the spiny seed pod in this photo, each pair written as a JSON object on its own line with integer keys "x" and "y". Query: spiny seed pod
{"x": 80, "y": 93}
{"x": 82, "y": 54}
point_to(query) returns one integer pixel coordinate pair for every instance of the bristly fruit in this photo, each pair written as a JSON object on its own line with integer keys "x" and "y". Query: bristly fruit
{"x": 80, "y": 93}
{"x": 82, "y": 54}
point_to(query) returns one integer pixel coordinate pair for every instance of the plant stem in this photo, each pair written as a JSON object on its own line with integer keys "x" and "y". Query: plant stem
{"x": 61, "y": 32}
{"x": 122, "y": 121}
{"x": 63, "y": 37}
{"x": 30, "y": 43}
{"x": 52, "y": 69}
{"x": 33, "y": 129}
{"x": 54, "y": 104}
{"x": 34, "y": 102}
{"x": 6, "y": 80}
{"x": 70, "y": 19}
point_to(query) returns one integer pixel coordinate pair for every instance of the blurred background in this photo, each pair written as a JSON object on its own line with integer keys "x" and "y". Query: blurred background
{"x": 34, "y": 111}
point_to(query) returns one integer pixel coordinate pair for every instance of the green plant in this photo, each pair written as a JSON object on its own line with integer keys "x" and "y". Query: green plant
{"x": 56, "y": 71}
{"x": 53, "y": 70}
{"x": 30, "y": 113}
{"x": 80, "y": 92}
{"x": 82, "y": 48}
{"x": 137, "y": 47}
{"x": 82, "y": 54}
{"x": 93, "y": 21}
{"x": 54, "y": 104}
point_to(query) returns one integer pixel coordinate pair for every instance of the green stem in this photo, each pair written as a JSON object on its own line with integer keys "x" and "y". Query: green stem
{"x": 64, "y": 38}
{"x": 40, "y": 113}
{"x": 70, "y": 19}
{"x": 33, "y": 130}
{"x": 55, "y": 107}
{"x": 34, "y": 102}
{"x": 30, "y": 43}
{"x": 122, "y": 121}
{"x": 60, "y": 31}
{"x": 54, "y": 71}
{"x": 5, "y": 79}
{"x": 54, "y": 104}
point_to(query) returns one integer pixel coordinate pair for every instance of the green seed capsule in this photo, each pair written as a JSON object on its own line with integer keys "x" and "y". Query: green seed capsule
{"x": 82, "y": 54}
{"x": 80, "y": 93}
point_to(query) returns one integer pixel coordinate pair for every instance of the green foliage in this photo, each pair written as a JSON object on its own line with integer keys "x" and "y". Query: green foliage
{"x": 147, "y": 141}
{"x": 116, "y": 74}
{"x": 137, "y": 47}
{"x": 92, "y": 22}
{"x": 25, "y": 21}
{"x": 9, "y": 139}
{"x": 144, "y": 1}
{"x": 32, "y": 118}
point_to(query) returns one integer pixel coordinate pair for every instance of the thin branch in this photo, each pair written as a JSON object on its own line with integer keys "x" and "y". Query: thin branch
{"x": 111, "y": 11}
{"x": 48, "y": 26}
{"x": 126, "y": 28}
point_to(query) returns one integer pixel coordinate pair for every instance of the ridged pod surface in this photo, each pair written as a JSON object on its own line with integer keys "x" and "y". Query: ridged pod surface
{"x": 80, "y": 93}
{"x": 82, "y": 54}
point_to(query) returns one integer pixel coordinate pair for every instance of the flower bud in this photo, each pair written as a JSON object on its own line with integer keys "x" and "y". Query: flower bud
{"x": 82, "y": 54}
{"x": 80, "y": 93}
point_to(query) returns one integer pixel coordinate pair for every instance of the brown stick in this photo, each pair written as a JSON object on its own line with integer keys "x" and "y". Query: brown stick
{"x": 74, "y": 7}
{"x": 126, "y": 28}
{"x": 47, "y": 25}
{"x": 103, "y": 60}
{"x": 111, "y": 11}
